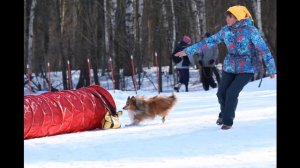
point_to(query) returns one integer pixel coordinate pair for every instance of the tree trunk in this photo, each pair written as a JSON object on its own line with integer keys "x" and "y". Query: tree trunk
{"x": 259, "y": 22}
{"x": 173, "y": 39}
{"x": 91, "y": 24}
{"x": 159, "y": 57}
{"x": 59, "y": 29}
{"x": 82, "y": 51}
{"x": 106, "y": 35}
{"x": 41, "y": 40}
{"x": 113, "y": 10}
{"x": 130, "y": 37}
{"x": 138, "y": 41}
{"x": 83, "y": 77}
{"x": 165, "y": 27}
{"x": 202, "y": 14}
{"x": 257, "y": 10}
{"x": 196, "y": 22}
{"x": 30, "y": 29}
{"x": 25, "y": 33}
{"x": 46, "y": 34}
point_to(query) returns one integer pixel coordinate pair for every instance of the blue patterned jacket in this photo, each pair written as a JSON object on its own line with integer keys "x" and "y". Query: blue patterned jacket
{"x": 244, "y": 44}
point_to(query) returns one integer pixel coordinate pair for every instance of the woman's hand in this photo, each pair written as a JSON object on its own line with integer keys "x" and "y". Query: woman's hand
{"x": 180, "y": 54}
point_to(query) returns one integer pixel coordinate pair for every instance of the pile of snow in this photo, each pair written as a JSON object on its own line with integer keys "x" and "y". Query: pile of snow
{"x": 188, "y": 138}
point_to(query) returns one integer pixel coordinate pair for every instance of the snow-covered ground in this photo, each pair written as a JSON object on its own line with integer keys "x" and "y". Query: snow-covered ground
{"x": 188, "y": 138}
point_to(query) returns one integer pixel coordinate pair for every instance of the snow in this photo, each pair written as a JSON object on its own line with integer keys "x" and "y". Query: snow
{"x": 189, "y": 138}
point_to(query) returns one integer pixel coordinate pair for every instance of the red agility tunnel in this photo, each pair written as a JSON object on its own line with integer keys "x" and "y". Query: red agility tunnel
{"x": 66, "y": 111}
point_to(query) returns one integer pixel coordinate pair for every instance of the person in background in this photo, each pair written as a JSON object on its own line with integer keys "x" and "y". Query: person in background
{"x": 244, "y": 45}
{"x": 214, "y": 68}
{"x": 182, "y": 64}
{"x": 207, "y": 61}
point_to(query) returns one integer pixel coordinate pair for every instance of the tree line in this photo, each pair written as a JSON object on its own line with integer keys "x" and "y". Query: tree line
{"x": 56, "y": 31}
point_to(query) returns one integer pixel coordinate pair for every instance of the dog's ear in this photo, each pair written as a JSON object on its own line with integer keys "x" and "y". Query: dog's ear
{"x": 128, "y": 97}
{"x": 132, "y": 98}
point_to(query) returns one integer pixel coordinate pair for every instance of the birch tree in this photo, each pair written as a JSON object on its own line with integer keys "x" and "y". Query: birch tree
{"x": 129, "y": 19}
{"x": 113, "y": 18}
{"x": 257, "y": 10}
{"x": 106, "y": 35}
{"x": 83, "y": 51}
{"x": 74, "y": 21}
{"x": 92, "y": 23}
{"x": 129, "y": 34}
{"x": 139, "y": 13}
{"x": 41, "y": 38}
{"x": 172, "y": 38}
{"x": 202, "y": 15}
{"x": 164, "y": 15}
{"x": 25, "y": 32}
{"x": 59, "y": 32}
{"x": 196, "y": 22}
{"x": 113, "y": 11}
{"x": 166, "y": 28}
{"x": 150, "y": 33}
{"x": 30, "y": 29}
{"x": 139, "y": 17}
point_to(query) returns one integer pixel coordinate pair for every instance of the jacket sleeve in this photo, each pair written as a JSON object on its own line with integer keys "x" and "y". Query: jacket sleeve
{"x": 204, "y": 44}
{"x": 263, "y": 50}
{"x": 177, "y": 49}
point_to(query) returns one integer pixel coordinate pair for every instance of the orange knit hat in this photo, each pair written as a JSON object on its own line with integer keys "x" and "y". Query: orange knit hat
{"x": 240, "y": 12}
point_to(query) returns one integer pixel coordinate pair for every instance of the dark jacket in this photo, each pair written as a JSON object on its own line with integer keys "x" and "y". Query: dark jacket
{"x": 179, "y": 47}
{"x": 209, "y": 56}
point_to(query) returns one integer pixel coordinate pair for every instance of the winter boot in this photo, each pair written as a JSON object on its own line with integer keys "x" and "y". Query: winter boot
{"x": 186, "y": 88}
{"x": 219, "y": 121}
{"x": 177, "y": 87}
{"x": 213, "y": 85}
{"x": 225, "y": 127}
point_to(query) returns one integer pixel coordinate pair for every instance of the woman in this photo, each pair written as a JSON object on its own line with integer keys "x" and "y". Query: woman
{"x": 244, "y": 44}
{"x": 182, "y": 64}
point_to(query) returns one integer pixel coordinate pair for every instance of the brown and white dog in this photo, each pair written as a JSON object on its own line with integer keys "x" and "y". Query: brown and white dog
{"x": 140, "y": 108}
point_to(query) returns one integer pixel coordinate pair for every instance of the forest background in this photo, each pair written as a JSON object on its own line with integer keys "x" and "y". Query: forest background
{"x": 60, "y": 31}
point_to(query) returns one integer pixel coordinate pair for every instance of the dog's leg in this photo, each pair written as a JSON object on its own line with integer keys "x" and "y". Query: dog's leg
{"x": 135, "y": 122}
{"x": 163, "y": 119}
{"x": 132, "y": 124}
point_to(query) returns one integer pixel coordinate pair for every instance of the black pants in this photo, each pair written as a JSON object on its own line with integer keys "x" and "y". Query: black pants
{"x": 207, "y": 78}
{"x": 228, "y": 91}
{"x": 184, "y": 77}
{"x": 216, "y": 72}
